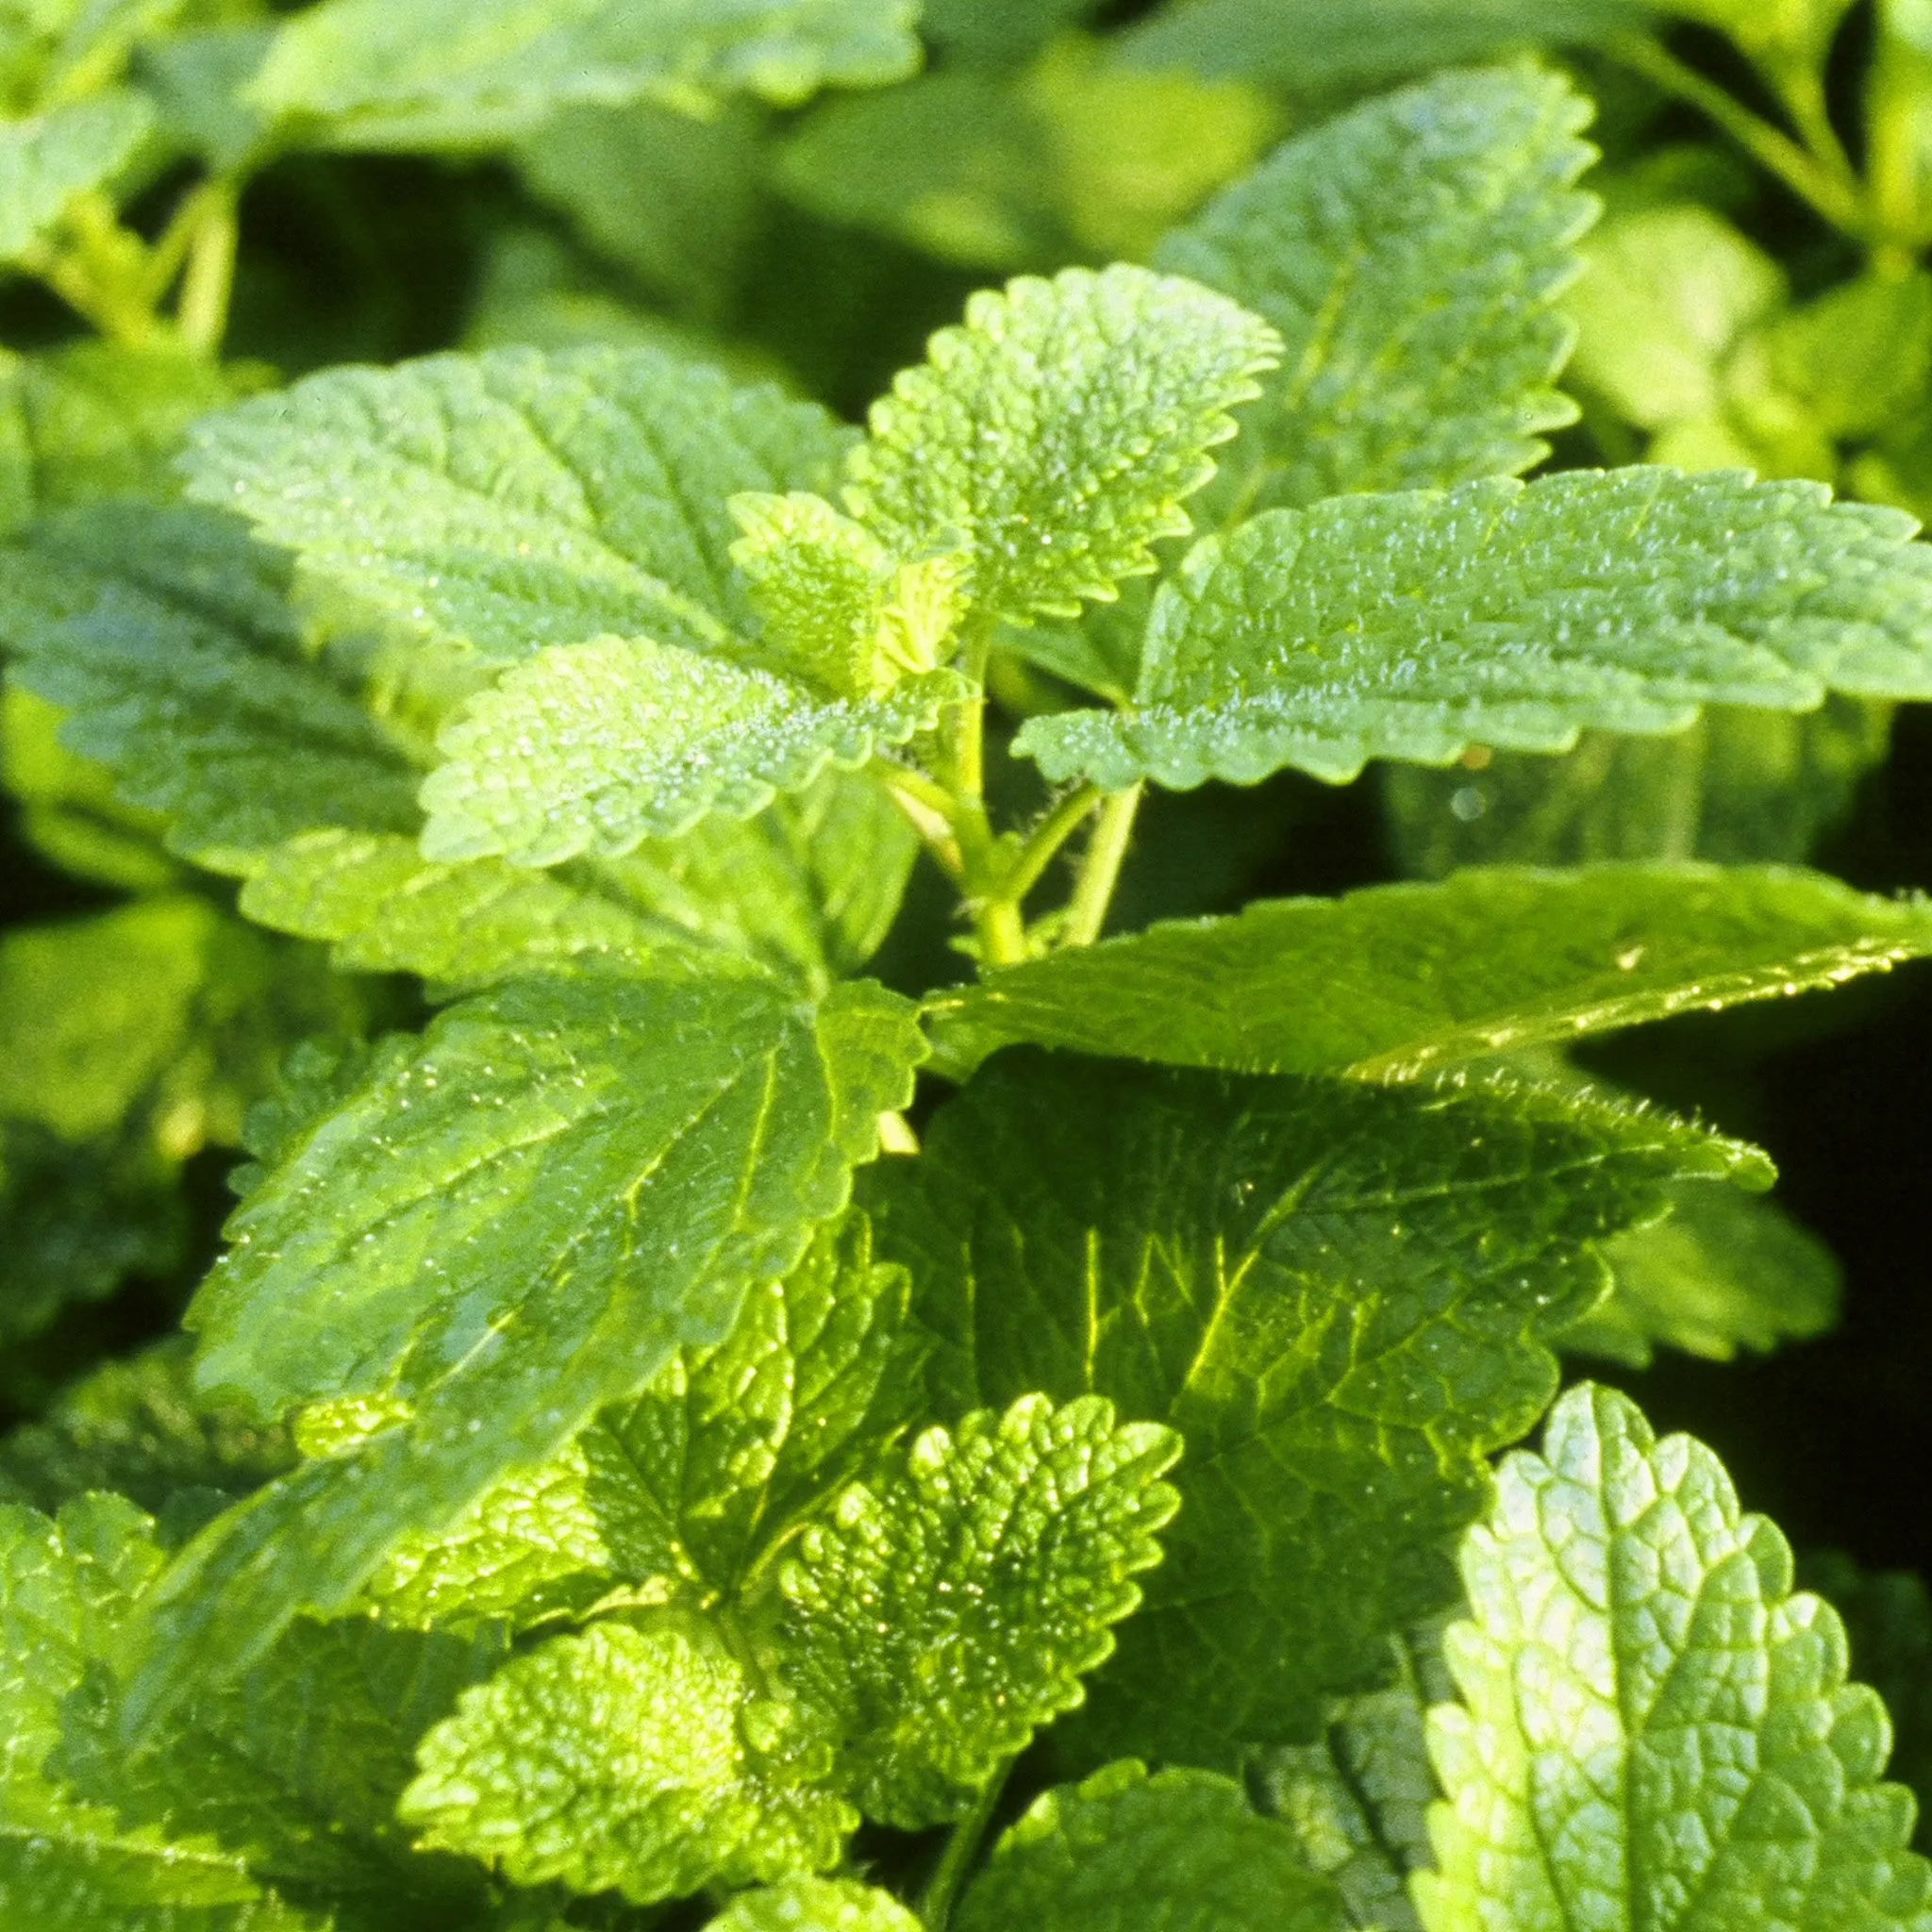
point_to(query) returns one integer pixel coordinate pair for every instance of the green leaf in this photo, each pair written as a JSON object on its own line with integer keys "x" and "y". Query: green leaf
{"x": 595, "y": 747}
{"x": 496, "y": 504}
{"x": 1655, "y": 1730}
{"x": 136, "y": 1427}
{"x": 506, "y": 1225}
{"x": 838, "y": 610}
{"x": 129, "y": 1040}
{"x": 1314, "y": 47}
{"x": 1413, "y": 627}
{"x": 956, "y": 163}
{"x": 733, "y": 1446}
{"x": 1392, "y": 981}
{"x": 1357, "y": 1800}
{"x": 65, "y": 1586}
{"x": 635, "y": 1758}
{"x": 1124, "y": 1850}
{"x": 459, "y": 73}
{"x": 815, "y": 1904}
{"x": 1058, "y": 433}
{"x": 1740, "y": 787}
{"x": 691, "y": 1483}
{"x": 1721, "y": 1273}
{"x": 1342, "y": 1296}
{"x": 808, "y": 888}
{"x": 948, "y": 1606}
{"x": 98, "y": 419}
{"x": 46, "y": 161}
{"x": 75, "y": 1222}
{"x": 1410, "y": 255}
{"x": 1668, "y": 296}
{"x": 386, "y": 909}
{"x": 166, "y": 634}
{"x": 70, "y": 812}
{"x": 1888, "y": 1616}
{"x": 297, "y": 1767}
{"x": 673, "y": 201}
{"x": 999, "y": 33}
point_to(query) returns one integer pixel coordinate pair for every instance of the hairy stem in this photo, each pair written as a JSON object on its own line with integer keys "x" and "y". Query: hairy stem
{"x": 1046, "y": 839}
{"x": 949, "y": 1876}
{"x": 1836, "y": 196}
{"x": 1100, "y": 870}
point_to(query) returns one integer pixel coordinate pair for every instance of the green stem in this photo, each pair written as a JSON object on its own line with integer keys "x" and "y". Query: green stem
{"x": 209, "y": 281}
{"x": 1837, "y": 197}
{"x": 1100, "y": 870}
{"x": 1043, "y": 843}
{"x": 1894, "y": 144}
{"x": 949, "y": 1876}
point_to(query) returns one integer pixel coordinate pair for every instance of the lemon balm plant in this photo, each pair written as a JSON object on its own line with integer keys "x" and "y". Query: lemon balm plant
{"x": 684, "y": 1431}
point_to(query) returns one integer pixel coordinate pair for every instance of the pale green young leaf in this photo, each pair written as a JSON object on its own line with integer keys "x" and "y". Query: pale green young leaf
{"x": 1054, "y": 436}
{"x": 948, "y": 1606}
{"x": 688, "y": 1484}
{"x": 838, "y": 609}
{"x": 1342, "y": 1297}
{"x": 530, "y": 1549}
{"x": 1124, "y": 1851}
{"x": 1740, "y": 787}
{"x": 136, "y": 1427}
{"x": 720, "y": 1458}
{"x": 495, "y": 503}
{"x": 1410, "y": 255}
{"x": 1413, "y": 627}
{"x": 165, "y": 633}
{"x": 464, "y": 73}
{"x": 815, "y": 1904}
{"x": 295, "y": 1768}
{"x": 1357, "y": 1799}
{"x": 1654, "y": 1729}
{"x": 506, "y": 1225}
{"x": 1721, "y": 1273}
{"x": 49, "y": 158}
{"x": 598, "y": 746}
{"x": 635, "y": 1758}
{"x": 1314, "y": 47}
{"x": 1393, "y": 981}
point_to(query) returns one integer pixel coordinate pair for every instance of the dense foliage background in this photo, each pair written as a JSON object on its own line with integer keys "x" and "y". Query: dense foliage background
{"x": 1755, "y": 297}
{"x": 808, "y": 243}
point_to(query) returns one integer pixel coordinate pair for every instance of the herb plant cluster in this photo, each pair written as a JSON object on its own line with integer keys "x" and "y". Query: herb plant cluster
{"x": 718, "y": 1407}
